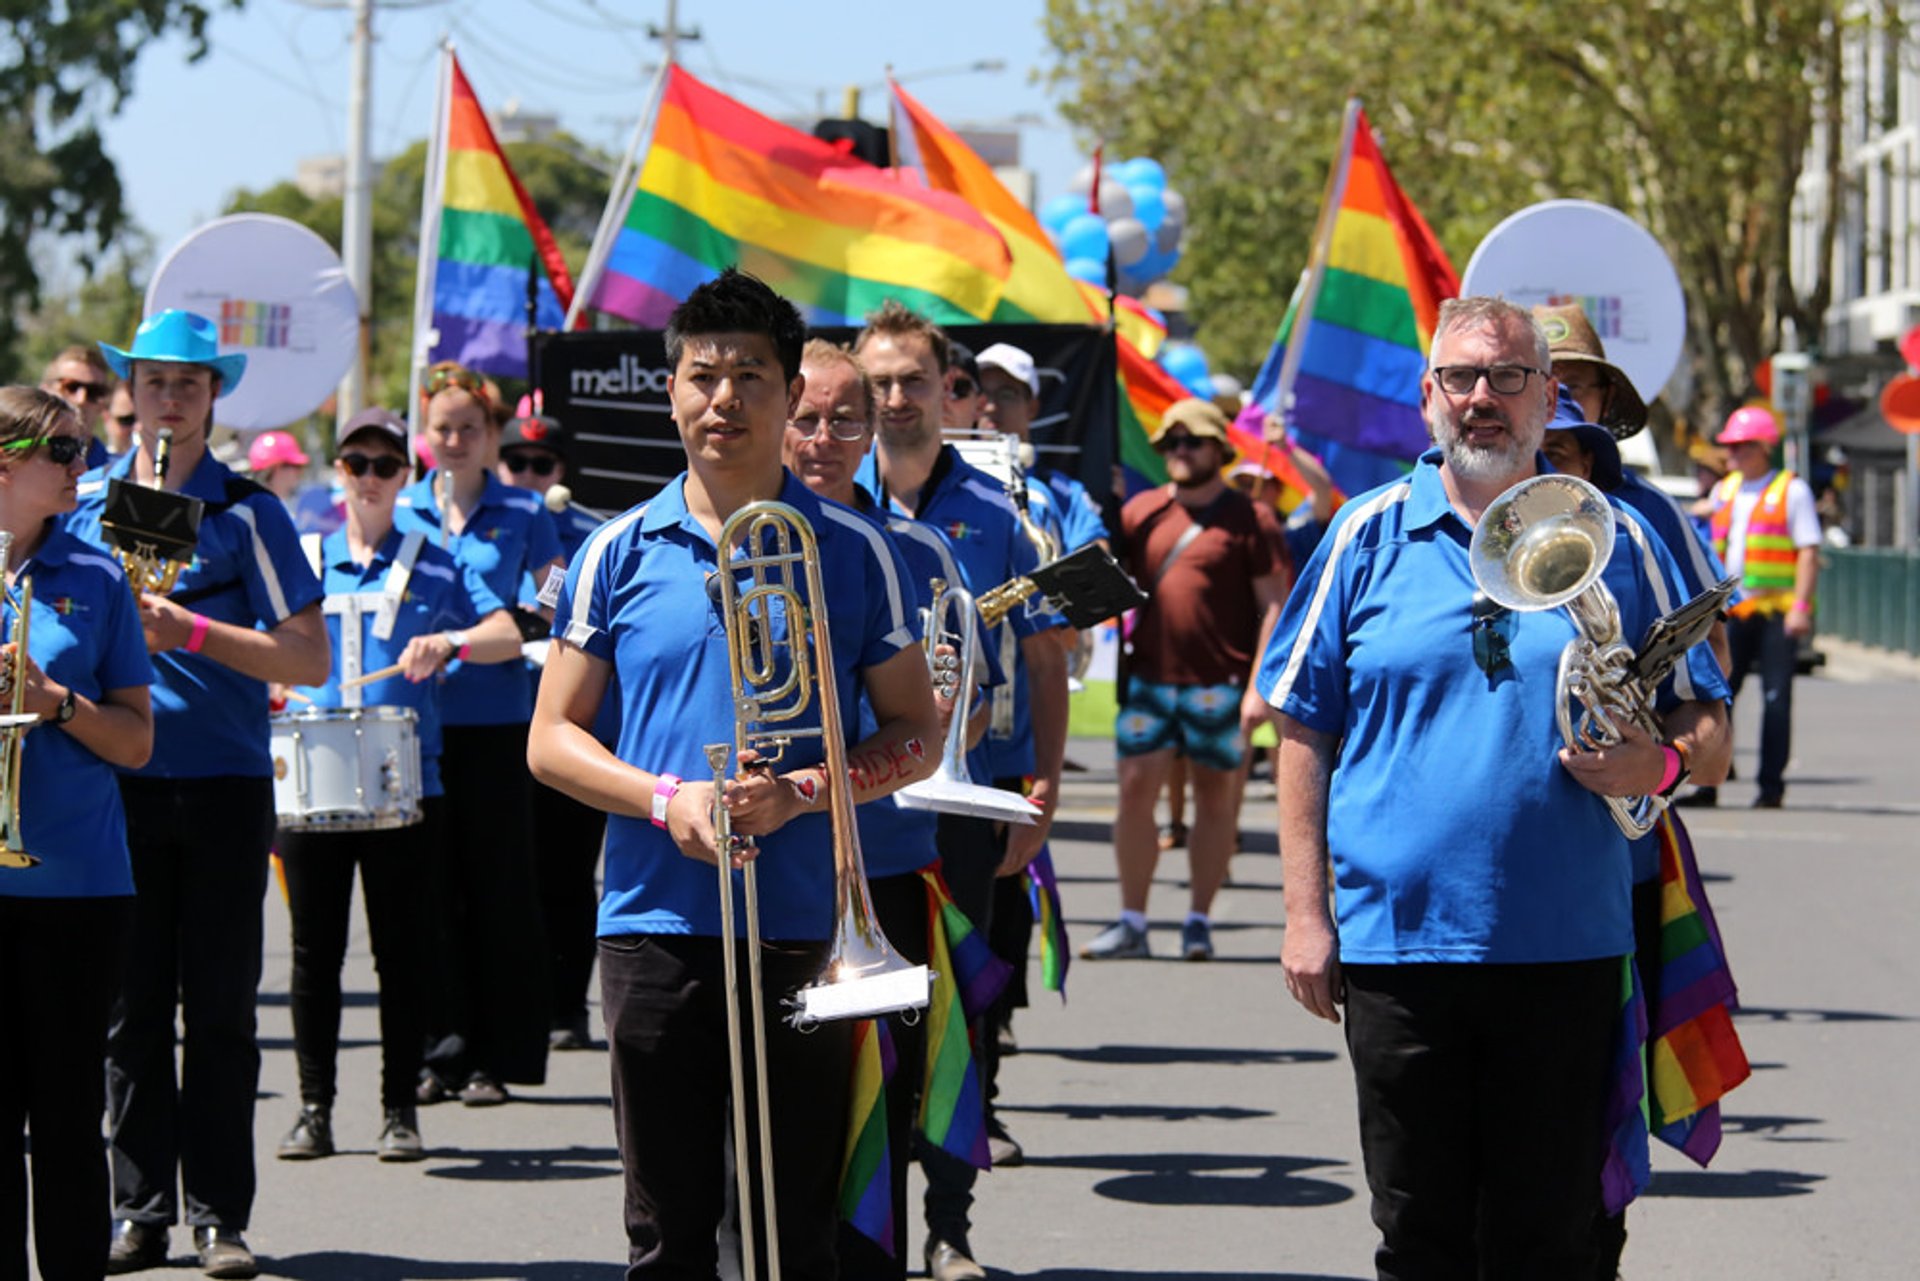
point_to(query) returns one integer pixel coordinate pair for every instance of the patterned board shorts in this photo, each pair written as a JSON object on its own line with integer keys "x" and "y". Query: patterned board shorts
{"x": 1201, "y": 722}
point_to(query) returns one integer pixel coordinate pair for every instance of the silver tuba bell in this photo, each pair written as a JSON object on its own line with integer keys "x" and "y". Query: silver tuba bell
{"x": 1543, "y": 545}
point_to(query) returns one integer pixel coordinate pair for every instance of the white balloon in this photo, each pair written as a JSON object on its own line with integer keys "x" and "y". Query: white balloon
{"x": 1226, "y": 386}
{"x": 1115, "y": 200}
{"x": 1167, "y": 239}
{"x": 1176, "y": 206}
{"x": 1129, "y": 239}
{"x": 1083, "y": 181}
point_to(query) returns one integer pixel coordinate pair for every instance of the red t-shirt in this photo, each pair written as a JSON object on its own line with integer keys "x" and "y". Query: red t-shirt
{"x": 1202, "y": 620}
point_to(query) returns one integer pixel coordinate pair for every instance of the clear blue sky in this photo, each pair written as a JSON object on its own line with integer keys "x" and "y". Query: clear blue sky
{"x": 273, "y": 87}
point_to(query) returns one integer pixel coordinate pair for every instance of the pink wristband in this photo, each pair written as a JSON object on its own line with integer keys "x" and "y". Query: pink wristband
{"x": 1800, "y": 607}
{"x": 1671, "y": 772}
{"x": 664, "y": 788}
{"x": 463, "y": 651}
{"x": 199, "y": 636}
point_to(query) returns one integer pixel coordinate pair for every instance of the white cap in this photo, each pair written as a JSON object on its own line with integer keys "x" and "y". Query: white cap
{"x": 1005, "y": 356}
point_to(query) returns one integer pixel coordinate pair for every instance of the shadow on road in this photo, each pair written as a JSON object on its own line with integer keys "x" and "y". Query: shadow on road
{"x": 1729, "y": 1185}
{"x": 344, "y": 1265}
{"x": 1134, "y": 1111}
{"x": 1774, "y": 1129}
{"x": 1166, "y": 1055}
{"x": 1771, "y": 1014}
{"x": 1204, "y": 1178}
{"x": 529, "y": 1164}
{"x": 1113, "y": 1274}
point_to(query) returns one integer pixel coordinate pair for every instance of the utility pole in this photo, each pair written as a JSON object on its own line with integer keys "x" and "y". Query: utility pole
{"x": 671, "y": 35}
{"x": 356, "y": 231}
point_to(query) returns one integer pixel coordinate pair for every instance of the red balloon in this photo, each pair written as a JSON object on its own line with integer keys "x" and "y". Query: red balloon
{"x": 1900, "y": 403}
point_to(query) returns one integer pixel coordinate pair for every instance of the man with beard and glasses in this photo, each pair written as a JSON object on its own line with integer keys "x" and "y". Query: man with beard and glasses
{"x": 1482, "y": 906}
{"x": 1216, "y": 567}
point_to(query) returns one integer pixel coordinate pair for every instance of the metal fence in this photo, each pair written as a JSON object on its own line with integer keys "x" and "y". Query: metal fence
{"x": 1871, "y": 595}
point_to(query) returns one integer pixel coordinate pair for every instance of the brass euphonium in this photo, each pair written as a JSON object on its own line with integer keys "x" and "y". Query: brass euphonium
{"x": 953, "y": 641}
{"x": 1542, "y": 545}
{"x": 15, "y": 720}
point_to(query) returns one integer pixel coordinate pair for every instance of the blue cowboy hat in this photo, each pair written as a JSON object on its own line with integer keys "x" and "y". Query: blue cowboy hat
{"x": 179, "y": 338}
{"x": 1595, "y": 439}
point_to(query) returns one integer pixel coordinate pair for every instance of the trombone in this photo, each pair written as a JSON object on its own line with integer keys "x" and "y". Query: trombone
{"x": 771, "y": 625}
{"x": 15, "y": 721}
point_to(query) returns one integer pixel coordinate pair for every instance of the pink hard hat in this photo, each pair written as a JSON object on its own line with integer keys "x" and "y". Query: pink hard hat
{"x": 272, "y": 449}
{"x": 1750, "y": 423}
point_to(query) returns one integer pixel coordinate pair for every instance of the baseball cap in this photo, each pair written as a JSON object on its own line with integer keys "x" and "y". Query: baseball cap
{"x": 1006, "y": 356}
{"x": 535, "y": 429}
{"x": 1200, "y": 417}
{"x": 960, "y": 356}
{"x": 274, "y": 448}
{"x": 379, "y": 419}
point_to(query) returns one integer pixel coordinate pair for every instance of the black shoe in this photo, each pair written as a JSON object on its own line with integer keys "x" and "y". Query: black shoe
{"x": 136, "y": 1247}
{"x": 224, "y": 1253}
{"x": 432, "y": 1089}
{"x": 1003, "y": 1150}
{"x": 1700, "y": 798}
{"x": 571, "y": 1035}
{"x": 1004, "y": 1038}
{"x": 311, "y": 1135}
{"x": 949, "y": 1262}
{"x": 400, "y": 1137}
{"x": 482, "y": 1091}
{"x": 1769, "y": 800}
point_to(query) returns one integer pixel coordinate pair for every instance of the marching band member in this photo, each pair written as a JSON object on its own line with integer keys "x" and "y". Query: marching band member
{"x": 63, "y": 923}
{"x": 487, "y": 1012}
{"x": 636, "y": 615}
{"x": 199, "y": 814}
{"x": 392, "y": 599}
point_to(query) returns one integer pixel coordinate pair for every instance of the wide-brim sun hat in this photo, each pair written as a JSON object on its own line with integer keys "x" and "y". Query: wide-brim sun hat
{"x": 177, "y": 337}
{"x": 1571, "y": 340}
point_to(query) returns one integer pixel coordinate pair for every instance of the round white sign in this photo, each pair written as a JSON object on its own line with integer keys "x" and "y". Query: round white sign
{"x": 279, "y": 294}
{"x": 1566, "y": 251}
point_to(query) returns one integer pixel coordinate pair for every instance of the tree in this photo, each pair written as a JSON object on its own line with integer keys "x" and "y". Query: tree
{"x": 64, "y": 68}
{"x": 1690, "y": 115}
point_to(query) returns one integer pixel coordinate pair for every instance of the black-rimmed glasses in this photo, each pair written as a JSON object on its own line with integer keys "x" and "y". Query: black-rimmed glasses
{"x": 1491, "y": 653}
{"x": 386, "y": 466}
{"x": 1505, "y": 380}
{"x": 838, "y": 427}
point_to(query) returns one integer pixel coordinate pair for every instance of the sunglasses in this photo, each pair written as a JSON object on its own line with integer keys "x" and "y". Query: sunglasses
{"x": 62, "y": 450}
{"x": 538, "y": 464}
{"x": 92, "y": 392}
{"x": 961, "y": 389}
{"x": 386, "y": 466}
{"x": 127, "y": 421}
{"x": 454, "y": 376}
{"x": 1167, "y": 444}
{"x": 1491, "y": 653}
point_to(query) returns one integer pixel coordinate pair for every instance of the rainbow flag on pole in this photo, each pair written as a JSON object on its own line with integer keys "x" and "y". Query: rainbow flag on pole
{"x": 952, "y": 1102}
{"x": 1345, "y": 367}
{"x": 725, "y": 186}
{"x": 489, "y": 239}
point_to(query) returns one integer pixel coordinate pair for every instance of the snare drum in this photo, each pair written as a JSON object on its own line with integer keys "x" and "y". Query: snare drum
{"x": 340, "y": 770}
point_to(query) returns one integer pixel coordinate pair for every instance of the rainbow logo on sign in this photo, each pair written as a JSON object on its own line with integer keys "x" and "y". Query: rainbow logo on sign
{"x": 1607, "y": 314}
{"x": 255, "y": 324}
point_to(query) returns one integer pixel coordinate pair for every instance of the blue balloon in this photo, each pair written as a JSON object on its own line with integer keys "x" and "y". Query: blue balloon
{"x": 1059, "y": 211}
{"x": 1155, "y": 265}
{"x": 1142, "y": 172}
{"x": 1084, "y": 236}
{"x": 1149, "y": 205}
{"x": 1091, "y": 270}
{"x": 1188, "y": 365}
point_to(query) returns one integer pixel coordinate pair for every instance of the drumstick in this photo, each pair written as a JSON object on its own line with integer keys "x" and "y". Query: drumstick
{"x": 369, "y": 678}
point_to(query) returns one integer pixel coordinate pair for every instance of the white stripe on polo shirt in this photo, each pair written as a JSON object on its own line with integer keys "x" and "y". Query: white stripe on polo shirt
{"x": 919, "y": 533}
{"x": 107, "y": 563}
{"x": 900, "y": 636}
{"x": 276, "y": 598}
{"x": 1303, "y": 639}
{"x": 579, "y": 630}
{"x": 1662, "y": 598}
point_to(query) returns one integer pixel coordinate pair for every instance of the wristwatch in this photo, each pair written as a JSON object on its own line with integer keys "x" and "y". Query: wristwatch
{"x": 68, "y": 706}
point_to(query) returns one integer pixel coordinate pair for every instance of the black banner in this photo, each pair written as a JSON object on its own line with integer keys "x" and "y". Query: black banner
{"x": 609, "y": 390}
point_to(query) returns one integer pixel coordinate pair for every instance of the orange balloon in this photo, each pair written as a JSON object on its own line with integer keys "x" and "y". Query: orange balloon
{"x": 1900, "y": 403}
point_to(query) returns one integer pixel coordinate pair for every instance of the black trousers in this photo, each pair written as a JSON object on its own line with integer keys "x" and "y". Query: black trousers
{"x": 199, "y": 851}
{"x": 60, "y": 966}
{"x": 566, "y": 840}
{"x": 1009, "y": 929}
{"x": 900, "y": 906}
{"x": 1482, "y": 1091}
{"x": 393, "y": 877}
{"x": 1760, "y": 642}
{"x": 487, "y": 979}
{"x": 665, "y": 1006}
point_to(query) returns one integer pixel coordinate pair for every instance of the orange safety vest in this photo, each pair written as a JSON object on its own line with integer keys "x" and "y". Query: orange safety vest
{"x": 1767, "y": 565}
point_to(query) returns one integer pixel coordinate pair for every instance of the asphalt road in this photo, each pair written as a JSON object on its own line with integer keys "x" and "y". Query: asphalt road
{"x": 1186, "y": 1120}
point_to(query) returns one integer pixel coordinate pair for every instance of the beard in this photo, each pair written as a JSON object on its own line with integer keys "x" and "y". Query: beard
{"x": 1197, "y": 474}
{"x": 910, "y": 437}
{"x": 1496, "y": 461}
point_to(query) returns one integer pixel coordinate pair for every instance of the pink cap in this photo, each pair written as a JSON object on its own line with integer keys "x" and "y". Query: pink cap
{"x": 1751, "y": 423}
{"x": 273, "y": 448}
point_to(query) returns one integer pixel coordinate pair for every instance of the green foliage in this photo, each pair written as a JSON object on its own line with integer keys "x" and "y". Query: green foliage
{"x": 1691, "y": 115}
{"x": 63, "y": 68}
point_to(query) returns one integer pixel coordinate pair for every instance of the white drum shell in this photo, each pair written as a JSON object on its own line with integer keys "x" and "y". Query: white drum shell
{"x": 341, "y": 770}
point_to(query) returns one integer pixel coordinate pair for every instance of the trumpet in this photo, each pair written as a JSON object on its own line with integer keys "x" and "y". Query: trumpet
{"x": 953, "y": 637}
{"x": 1543, "y": 545}
{"x": 15, "y": 721}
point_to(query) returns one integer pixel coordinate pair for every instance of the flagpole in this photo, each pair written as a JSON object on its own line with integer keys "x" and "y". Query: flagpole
{"x": 619, "y": 200}
{"x": 426, "y": 272}
{"x": 1309, "y": 291}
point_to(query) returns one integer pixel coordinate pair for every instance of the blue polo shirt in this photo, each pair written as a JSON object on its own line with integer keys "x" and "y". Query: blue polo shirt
{"x": 1080, "y": 521}
{"x": 85, "y": 634}
{"x": 574, "y": 525}
{"x": 210, "y": 721}
{"x": 972, "y": 509}
{"x": 441, "y": 595}
{"x": 1455, "y": 833}
{"x": 509, "y": 535}
{"x": 636, "y": 597}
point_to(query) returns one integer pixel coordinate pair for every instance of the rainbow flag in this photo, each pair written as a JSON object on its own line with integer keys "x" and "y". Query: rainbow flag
{"x": 1367, "y": 308}
{"x": 490, "y": 240}
{"x": 1043, "y": 892}
{"x": 980, "y": 974}
{"x": 953, "y": 1112}
{"x": 725, "y": 186}
{"x": 1628, "y": 1167}
{"x": 866, "y": 1171}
